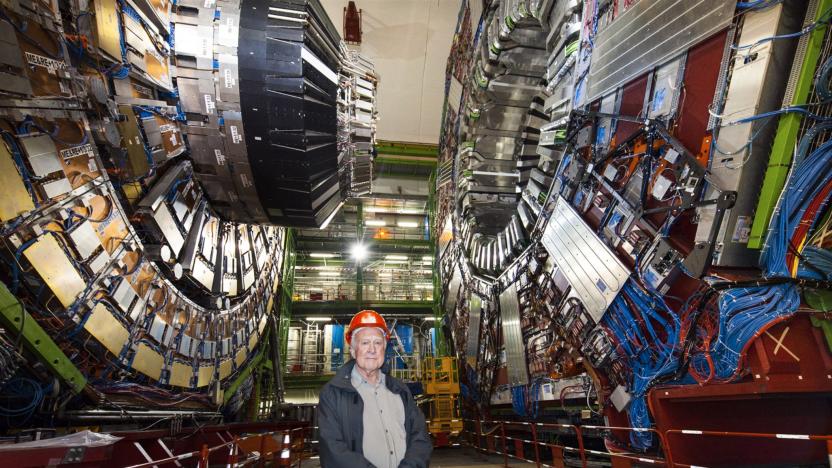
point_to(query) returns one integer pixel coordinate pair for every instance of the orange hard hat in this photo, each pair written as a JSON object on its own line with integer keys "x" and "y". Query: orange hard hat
{"x": 367, "y": 318}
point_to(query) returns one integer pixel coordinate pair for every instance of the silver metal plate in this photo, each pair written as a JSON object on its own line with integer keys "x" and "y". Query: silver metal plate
{"x": 56, "y": 188}
{"x": 157, "y": 329}
{"x": 472, "y": 341}
{"x": 592, "y": 269}
{"x": 513, "y": 337}
{"x": 85, "y": 239}
{"x": 650, "y": 33}
{"x": 164, "y": 219}
{"x": 124, "y": 295}
{"x": 42, "y": 155}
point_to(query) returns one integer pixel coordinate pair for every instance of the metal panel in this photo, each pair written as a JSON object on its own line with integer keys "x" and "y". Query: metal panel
{"x": 472, "y": 342}
{"x": 180, "y": 375}
{"x": 453, "y": 291}
{"x": 85, "y": 239}
{"x": 16, "y": 199}
{"x": 148, "y": 362}
{"x": 756, "y": 87}
{"x": 52, "y": 264}
{"x": 593, "y": 270}
{"x": 650, "y": 33}
{"x": 42, "y": 155}
{"x": 107, "y": 329}
{"x": 164, "y": 219}
{"x": 513, "y": 337}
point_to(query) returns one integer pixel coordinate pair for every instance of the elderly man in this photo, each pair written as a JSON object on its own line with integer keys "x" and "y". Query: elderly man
{"x": 366, "y": 417}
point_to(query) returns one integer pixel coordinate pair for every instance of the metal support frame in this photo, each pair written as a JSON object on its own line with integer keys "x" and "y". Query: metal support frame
{"x": 241, "y": 377}
{"x": 407, "y": 149}
{"x": 15, "y": 319}
{"x": 285, "y": 298}
{"x": 359, "y": 269}
{"x": 788, "y": 129}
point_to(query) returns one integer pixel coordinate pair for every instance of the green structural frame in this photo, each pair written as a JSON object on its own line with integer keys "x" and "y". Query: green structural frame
{"x": 15, "y": 319}
{"x": 788, "y": 129}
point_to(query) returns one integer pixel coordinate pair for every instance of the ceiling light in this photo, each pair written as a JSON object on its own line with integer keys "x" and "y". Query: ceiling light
{"x": 318, "y": 319}
{"x": 359, "y": 252}
{"x": 396, "y": 257}
{"x": 385, "y": 275}
{"x": 321, "y": 255}
{"x": 407, "y": 224}
{"x": 375, "y": 222}
{"x": 329, "y": 273}
{"x": 427, "y": 258}
{"x": 424, "y": 286}
{"x": 429, "y": 319}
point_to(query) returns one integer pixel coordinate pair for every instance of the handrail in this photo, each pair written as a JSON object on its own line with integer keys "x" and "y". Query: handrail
{"x": 580, "y": 431}
{"x": 286, "y": 442}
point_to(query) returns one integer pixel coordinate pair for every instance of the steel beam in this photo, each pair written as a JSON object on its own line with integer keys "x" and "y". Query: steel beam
{"x": 15, "y": 319}
{"x": 406, "y": 149}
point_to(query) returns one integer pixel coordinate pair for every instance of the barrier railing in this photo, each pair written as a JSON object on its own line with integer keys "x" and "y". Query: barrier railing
{"x": 502, "y": 438}
{"x": 277, "y": 448}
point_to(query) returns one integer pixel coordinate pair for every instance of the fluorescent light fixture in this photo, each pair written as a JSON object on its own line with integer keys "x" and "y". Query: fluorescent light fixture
{"x": 430, "y": 319}
{"x": 424, "y": 286}
{"x": 375, "y": 222}
{"x": 427, "y": 258}
{"x": 318, "y": 319}
{"x": 321, "y": 255}
{"x": 359, "y": 252}
{"x": 396, "y": 257}
{"x": 329, "y": 273}
{"x": 385, "y": 275}
{"x": 407, "y": 224}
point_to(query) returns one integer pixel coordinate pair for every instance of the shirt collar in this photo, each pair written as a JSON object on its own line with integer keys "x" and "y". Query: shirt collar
{"x": 358, "y": 380}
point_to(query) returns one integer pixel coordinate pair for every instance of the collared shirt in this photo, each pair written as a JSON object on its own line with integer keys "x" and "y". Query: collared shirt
{"x": 383, "y": 421}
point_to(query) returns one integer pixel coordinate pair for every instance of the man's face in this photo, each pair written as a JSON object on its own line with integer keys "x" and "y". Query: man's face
{"x": 367, "y": 348}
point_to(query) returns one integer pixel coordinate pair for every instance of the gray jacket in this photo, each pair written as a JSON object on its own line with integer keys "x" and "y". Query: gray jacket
{"x": 341, "y": 424}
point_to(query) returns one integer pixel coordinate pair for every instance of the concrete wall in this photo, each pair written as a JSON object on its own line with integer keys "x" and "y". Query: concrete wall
{"x": 409, "y": 42}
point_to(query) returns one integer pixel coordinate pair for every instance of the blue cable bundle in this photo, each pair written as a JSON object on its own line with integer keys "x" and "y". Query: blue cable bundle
{"x": 647, "y": 333}
{"x": 27, "y": 390}
{"x": 743, "y": 314}
{"x": 808, "y": 177}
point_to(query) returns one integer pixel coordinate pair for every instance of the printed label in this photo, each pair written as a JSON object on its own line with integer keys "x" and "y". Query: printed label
{"x": 220, "y": 157}
{"x": 40, "y": 61}
{"x": 74, "y": 152}
{"x": 235, "y": 134}
{"x": 244, "y": 181}
{"x": 230, "y": 81}
{"x": 209, "y": 104}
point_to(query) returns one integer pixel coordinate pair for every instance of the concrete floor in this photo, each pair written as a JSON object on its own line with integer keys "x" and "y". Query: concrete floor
{"x": 453, "y": 457}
